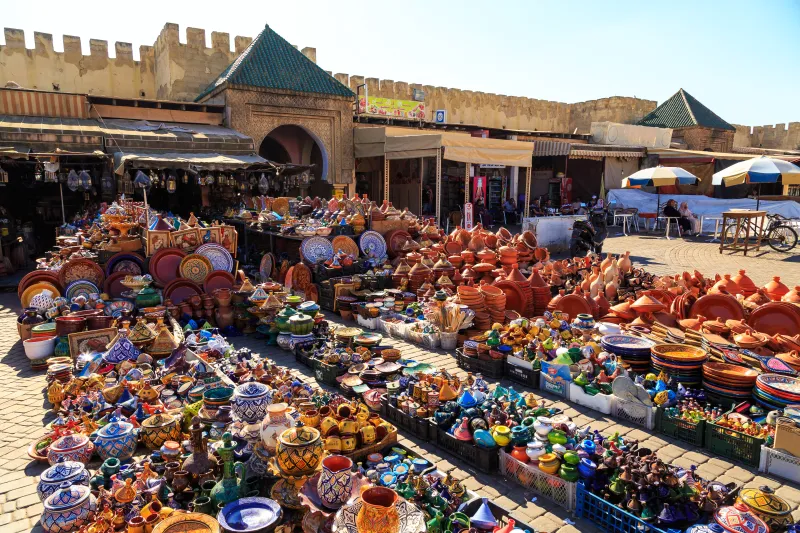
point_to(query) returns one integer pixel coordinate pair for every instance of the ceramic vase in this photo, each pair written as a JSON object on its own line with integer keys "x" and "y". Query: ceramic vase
{"x": 50, "y": 480}
{"x": 534, "y": 450}
{"x": 335, "y": 481}
{"x": 117, "y": 440}
{"x": 227, "y": 489}
{"x": 299, "y": 450}
{"x": 250, "y": 401}
{"x": 378, "y": 513}
{"x": 68, "y": 508}
{"x": 201, "y": 460}
{"x": 273, "y": 425}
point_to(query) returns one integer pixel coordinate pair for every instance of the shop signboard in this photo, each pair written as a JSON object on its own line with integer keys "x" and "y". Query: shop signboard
{"x": 440, "y": 116}
{"x": 468, "y": 216}
{"x": 479, "y": 188}
{"x": 390, "y": 107}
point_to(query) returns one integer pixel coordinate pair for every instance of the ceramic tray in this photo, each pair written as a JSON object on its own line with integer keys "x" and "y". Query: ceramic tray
{"x": 249, "y": 514}
{"x": 219, "y": 257}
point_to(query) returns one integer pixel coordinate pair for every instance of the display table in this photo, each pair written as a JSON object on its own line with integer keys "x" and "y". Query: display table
{"x": 553, "y": 233}
{"x": 742, "y": 220}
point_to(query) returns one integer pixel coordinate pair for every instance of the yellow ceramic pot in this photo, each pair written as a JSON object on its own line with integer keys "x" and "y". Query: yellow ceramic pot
{"x": 328, "y": 423}
{"x": 367, "y": 435}
{"x": 501, "y": 435}
{"x": 333, "y": 444}
{"x": 548, "y": 463}
{"x": 348, "y": 426}
{"x": 299, "y": 451}
{"x": 310, "y": 418}
{"x": 348, "y": 442}
{"x": 378, "y": 513}
{"x": 158, "y": 429}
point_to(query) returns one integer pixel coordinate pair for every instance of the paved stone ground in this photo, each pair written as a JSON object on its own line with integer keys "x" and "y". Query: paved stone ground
{"x": 23, "y": 409}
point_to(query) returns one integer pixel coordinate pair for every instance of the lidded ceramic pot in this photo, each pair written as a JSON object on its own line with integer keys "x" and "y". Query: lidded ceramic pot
{"x": 50, "y": 480}
{"x": 68, "y": 508}
{"x": 158, "y": 429}
{"x": 250, "y": 401}
{"x": 74, "y": 447}
{"x": 769, "y": 507}
{"x": 117, "y": 440}
{"x": 273, "y": 425}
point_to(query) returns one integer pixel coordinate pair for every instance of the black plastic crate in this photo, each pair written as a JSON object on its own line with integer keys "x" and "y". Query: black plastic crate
{"x": 485, "y": 460}
{"x": 523, "y": 376}
{"x": 677, "y": 428}
{"x": 327, "y": 374}
{"x": 418, "y": 427}
{"x": 326, "y": 302}
{"x": 490, "y": 369}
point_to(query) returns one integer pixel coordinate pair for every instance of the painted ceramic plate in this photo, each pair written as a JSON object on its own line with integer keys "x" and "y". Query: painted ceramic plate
{"x": 249, "y": 514}
{"x": 220, "y": 258}
{"x": 411, "y": 518}
{"x": 395, "y": 239}
{"x": 372, "y": 244}
{"x": 188, "y": 523}
{"x": 164, "y": 265}
{"x": 80, "y": 287}
{"x": 266, "y": 266}
{"x": 301, "y": 277}
{"x": 316, "y": 249}
{"x": 30, "y": 278}
{"x": 179, "y": 290}
{"x": 195, "y": 267}
{"x": 113, "y": 285}
{"x": 218, "y": 280}
{"x": 781, "y": 386}
{"x": 116, "y": 308}
{"x": 288, "y": 278}
{"x": 35, "y": 289}
{"x": 81, "y": 269}
{"x": 345, "y": 244}
{"x": 627, "y": 343}
{"x": 128, "y": 262}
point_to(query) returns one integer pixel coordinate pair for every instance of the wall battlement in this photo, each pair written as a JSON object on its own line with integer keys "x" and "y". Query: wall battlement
{"x": 777, "y": 137}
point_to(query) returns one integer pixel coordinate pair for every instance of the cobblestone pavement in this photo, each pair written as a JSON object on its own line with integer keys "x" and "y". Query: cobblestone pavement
{"x": 23, "y": 413}
{"x": 661, "y": 256}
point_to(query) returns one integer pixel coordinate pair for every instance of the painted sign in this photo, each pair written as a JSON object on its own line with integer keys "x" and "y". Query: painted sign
{"x": 440, "y": 116}
{"x": 389, "y": 107}
{"x": 468, "y": 216}
{"x": 479, "y": 189}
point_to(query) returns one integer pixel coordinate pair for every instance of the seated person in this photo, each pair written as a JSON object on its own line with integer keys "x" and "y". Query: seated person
{"x": 671, "y": 210}
{"x": 536, "y": 208}
{"x": 510, "y": 210}
{"x": 688, "y": 215}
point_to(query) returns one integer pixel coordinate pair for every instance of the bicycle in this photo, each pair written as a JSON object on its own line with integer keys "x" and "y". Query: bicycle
{"x": 780, "y": 236}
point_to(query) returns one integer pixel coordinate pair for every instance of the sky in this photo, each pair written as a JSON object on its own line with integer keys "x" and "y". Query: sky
{"x": 741, "y": 59}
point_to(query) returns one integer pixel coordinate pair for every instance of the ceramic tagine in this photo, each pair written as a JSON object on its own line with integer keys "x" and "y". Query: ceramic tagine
{"x": 75, "y": 447}
{"x": 50, "y": 480}
{"x": 250, "y": 402}
{"x": 68, "y": 508}
{"x": 766, "y": 505}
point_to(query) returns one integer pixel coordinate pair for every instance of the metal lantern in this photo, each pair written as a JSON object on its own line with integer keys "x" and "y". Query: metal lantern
{"x": 185, "y": 178}
{"x": 38, "y": 174}
{"x": 263, "y": 184}
{"x": 107, "y": 183}
{"x": 172, "y": 183}
{"x": 3, "y": 175}
{"x": 86, "y": 180}
{"x": 73, "y": 181}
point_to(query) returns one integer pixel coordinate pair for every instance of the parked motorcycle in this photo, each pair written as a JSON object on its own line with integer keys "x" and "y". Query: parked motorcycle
{"x": 588, "y": 235}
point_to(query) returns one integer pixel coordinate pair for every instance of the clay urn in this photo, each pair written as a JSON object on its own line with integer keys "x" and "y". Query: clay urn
{"x": 625, "y": 264}
{"x": 775, "y": 289}
{"x": 605, "y": 263}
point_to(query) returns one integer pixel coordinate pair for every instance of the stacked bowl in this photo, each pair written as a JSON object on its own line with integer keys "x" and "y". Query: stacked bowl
{"x": 634, "y": 351}
{"x": 541, "y": 292}
{"x": 495, "y": 300}
{"x": 729, "y": 382}
{"x": 777, "y": 391}
{"x": 680, "y": 362}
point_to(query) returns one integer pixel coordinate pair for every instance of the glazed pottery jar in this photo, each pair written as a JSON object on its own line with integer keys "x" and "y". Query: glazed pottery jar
{"x": 378, "y": 513}
{"x": 201, "y": 460}
{"x": 158, "y": 429}
{"x": 299, "y": 450}
{"x": 250, "y": 401}
{"x": 50, "y": 480}
{"x": 227, "y": 489}
{"x": 534, "y": 450}
{"x": 335, "y": 482}
{"x": 117, "y": 440}
{"x": 68, "y": 508}
{"x": 301, "y": 324}
{"x": 43, "y": 301}
{"x": 765, "y": 504}
{"x": 542, "y": 426}
{"x": 519, "y": 453}
{"x": 548, "y": 463}
{"x": 75, "y": 447}
{"x": 732, "y": 517}
{"x": 274, "y": 425}
{"x": 501, "y": 435}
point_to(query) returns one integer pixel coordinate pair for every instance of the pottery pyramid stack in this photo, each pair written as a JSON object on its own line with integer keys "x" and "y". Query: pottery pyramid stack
{"x": 472, "y": 298}
{"x": 495, "y": 302}
{"x": 418, "y": 275}
{"x": 523, "y": 283}
{"x": 541, "y": 292}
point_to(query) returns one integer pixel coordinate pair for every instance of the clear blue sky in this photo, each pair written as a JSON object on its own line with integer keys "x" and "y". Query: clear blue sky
{"x": 741, "y": 59}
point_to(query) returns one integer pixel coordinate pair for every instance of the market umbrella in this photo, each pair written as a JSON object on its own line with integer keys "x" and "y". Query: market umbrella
{"x": 659, "y": 177}
{"x": 758, "y": 170}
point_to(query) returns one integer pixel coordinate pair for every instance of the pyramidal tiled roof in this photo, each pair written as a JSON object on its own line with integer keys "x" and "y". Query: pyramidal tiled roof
{"x": 682, "y": 110}
{"x": 270, "y": 62}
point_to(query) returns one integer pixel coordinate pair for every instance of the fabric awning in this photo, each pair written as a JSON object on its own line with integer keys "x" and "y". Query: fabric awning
{"x": 599, "y": 154}
{"x": 551, "y": 148}
{"x": 48, "y": 134}
{"x": 184, "y": 160}
{"x": 125, "y": 135}
{"x": 404, "y": 143}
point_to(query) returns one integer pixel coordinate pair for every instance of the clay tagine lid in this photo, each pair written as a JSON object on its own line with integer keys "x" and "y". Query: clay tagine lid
{"x": 647, "y": 304}
{"x": 775, "y": 289}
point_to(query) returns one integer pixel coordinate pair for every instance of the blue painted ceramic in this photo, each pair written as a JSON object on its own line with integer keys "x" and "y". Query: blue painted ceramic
{"x": 117, "y": 440}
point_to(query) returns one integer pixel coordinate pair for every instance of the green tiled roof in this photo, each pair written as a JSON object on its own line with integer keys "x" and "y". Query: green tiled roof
{"x": 270, "y": 62}
{"x": 682, "y": 110}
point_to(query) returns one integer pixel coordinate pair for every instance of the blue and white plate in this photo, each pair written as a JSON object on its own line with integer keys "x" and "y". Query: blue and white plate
{"x": 220, "y": 258}
{"x": 249, "y": 514}
{"x": 316, "y": 249}
{"x": 372, "y": 244}
{"x": 80, "y": 287}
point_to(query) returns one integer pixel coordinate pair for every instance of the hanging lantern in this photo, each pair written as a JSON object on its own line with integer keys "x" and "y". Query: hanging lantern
{"x": 38, "y": 174}
{"x": 107, "y": 183}
{"x": 185, "y": 178}
{"x": 51, "y": 172}
{"x": 127, "y": 184}
{"x": 263, "y": 184}
{"x": 73, "y": 181}
{"x": 243, "y": 186}
{"x": 142, "y": 180}
{"x": 172, "y": 183}
{"x": 86, "y": 180}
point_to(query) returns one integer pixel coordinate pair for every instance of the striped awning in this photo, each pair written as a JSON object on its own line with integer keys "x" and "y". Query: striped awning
{"x": 599, "y": 154}
{"x": 550, "y": 148}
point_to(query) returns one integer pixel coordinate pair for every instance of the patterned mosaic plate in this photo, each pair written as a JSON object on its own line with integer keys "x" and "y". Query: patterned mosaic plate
{"x": 220, "y": 258}
{"x": 627, "y": 343}
{"x": 81, "y": 269}
{"x": 372, "y": 244}
{"x": 778, "y": 385}
{"x": 316, "y": 249}
{"x": 267, "y": 265}
{"x": 249, "y": 514}
{"x": 117, "y": 307}
{"x": 411, "y": 518}
{"x": 80, "y": 287}
{"x": 345, "y": 244}
{"x": 195, "y": 267}
{"x": 128, "y": 262}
